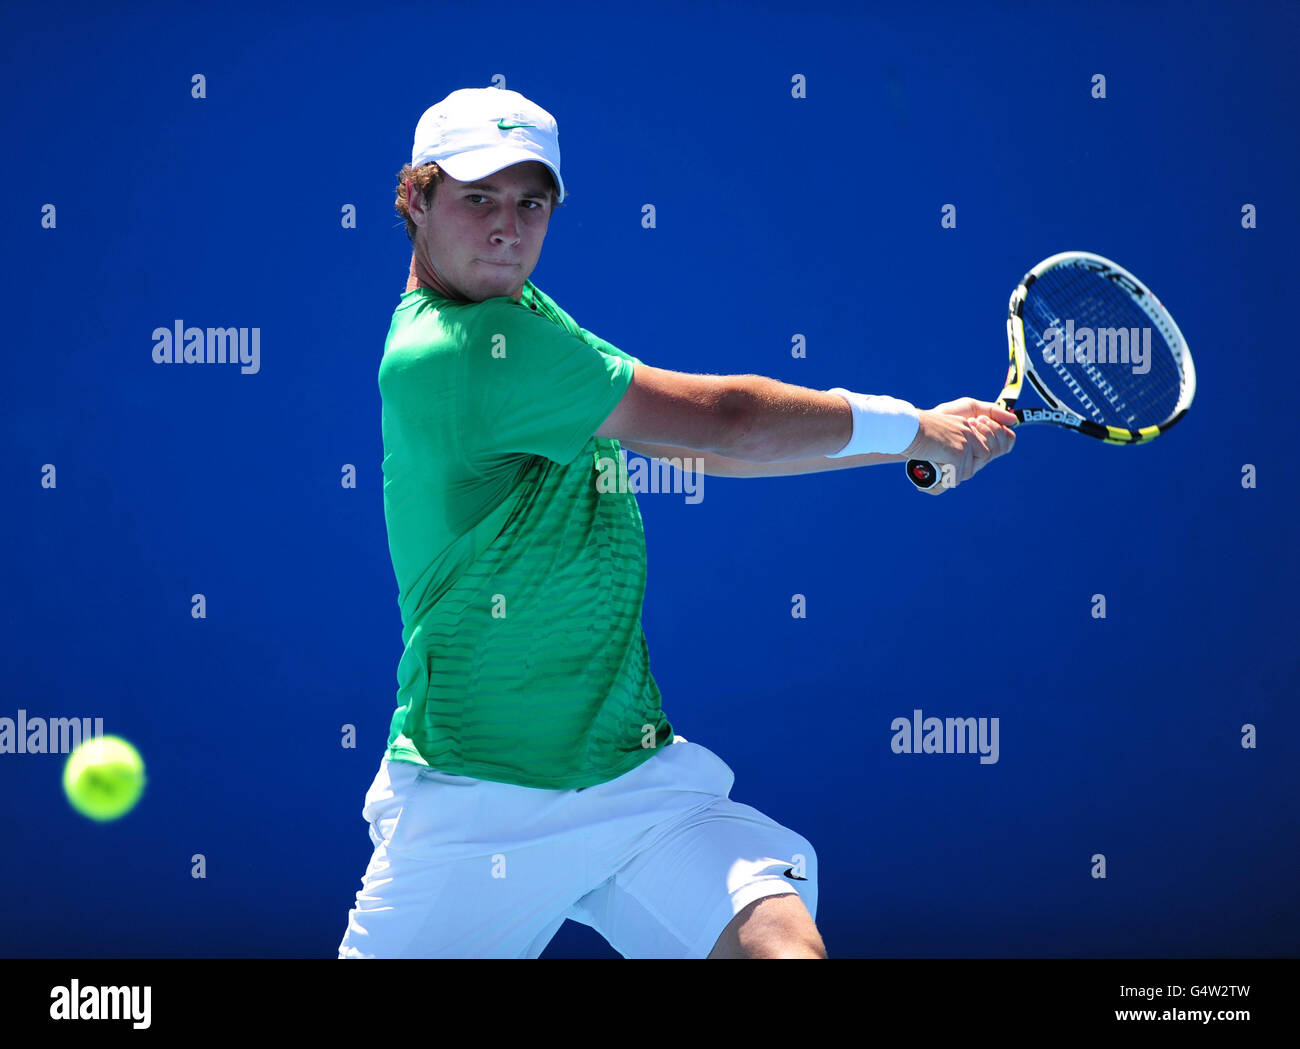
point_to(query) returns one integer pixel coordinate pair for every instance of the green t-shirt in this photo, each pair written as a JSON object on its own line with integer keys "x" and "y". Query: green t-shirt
{"x": 520, "y": 578}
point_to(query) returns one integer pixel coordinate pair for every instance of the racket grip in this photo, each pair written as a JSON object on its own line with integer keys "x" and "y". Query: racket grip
{"x": 925, "y": 475}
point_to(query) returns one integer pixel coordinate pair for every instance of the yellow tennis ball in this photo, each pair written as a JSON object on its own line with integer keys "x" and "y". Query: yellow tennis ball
{"x": 104, "y": 777}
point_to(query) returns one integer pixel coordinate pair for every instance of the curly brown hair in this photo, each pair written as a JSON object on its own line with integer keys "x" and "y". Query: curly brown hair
{"x": 427, "y": 177}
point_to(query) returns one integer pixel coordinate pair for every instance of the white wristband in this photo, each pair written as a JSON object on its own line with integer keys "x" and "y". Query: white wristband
{"x": 880, "y": 424}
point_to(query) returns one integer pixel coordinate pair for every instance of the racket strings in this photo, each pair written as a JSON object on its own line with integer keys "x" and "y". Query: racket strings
{"x": 1099, "y": 365}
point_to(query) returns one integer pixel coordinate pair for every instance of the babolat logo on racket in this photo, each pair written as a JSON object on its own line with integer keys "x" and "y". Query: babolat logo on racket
{"x": 1048, "y": 415}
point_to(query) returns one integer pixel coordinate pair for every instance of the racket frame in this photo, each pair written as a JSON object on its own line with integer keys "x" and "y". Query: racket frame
{"x": 1020, "y": 367}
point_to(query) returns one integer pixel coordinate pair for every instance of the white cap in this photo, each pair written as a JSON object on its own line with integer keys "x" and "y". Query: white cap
{"x": 476, "y": 131}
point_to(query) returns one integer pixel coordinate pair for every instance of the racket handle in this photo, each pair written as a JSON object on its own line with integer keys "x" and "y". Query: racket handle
{"x": 925, "y": 475}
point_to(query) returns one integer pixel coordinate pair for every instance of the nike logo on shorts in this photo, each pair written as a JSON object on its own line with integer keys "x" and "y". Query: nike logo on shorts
{"x": 789, "y": 873}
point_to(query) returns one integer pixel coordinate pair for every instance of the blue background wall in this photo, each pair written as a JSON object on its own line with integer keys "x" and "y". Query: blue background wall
{"x": 776, "y": 215}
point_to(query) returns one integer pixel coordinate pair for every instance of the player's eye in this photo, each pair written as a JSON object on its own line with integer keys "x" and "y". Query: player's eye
{"x": 471, "y": 197}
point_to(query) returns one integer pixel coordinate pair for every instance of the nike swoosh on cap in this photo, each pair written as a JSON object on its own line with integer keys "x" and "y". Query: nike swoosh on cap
{"x": 502, "y": 125}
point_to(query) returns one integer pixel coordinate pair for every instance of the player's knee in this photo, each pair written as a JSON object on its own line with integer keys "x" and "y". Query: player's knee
{"x": 803, "y": 942}
{"x": 792, "y": 945}
{"x": 772, "y": 927}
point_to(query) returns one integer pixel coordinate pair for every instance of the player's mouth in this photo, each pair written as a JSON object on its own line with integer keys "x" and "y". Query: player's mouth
{"x": 490, "y": 262}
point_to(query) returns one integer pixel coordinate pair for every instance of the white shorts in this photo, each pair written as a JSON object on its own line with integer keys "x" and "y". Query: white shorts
{"x": 658, "y": 861}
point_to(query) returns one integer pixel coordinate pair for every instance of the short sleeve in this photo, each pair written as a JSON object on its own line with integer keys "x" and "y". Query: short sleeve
{"x": 533, "y": 388}
{"x": 607, "y": 347}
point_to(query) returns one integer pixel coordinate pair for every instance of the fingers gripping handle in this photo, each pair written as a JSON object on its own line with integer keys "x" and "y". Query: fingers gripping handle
{"x": 927, "y": 476}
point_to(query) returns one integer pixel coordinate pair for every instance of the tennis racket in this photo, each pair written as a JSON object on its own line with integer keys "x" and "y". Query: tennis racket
{"x": 1100, "y": 350}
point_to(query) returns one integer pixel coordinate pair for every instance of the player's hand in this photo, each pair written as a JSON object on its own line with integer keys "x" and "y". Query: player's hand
{"x": 966, "y": 433}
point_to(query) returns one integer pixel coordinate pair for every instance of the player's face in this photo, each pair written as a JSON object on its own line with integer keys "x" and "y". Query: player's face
{"x": 482, "y": 239}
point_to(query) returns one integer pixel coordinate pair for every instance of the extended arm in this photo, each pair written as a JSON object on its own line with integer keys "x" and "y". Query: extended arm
{"x": 752, "y": 426}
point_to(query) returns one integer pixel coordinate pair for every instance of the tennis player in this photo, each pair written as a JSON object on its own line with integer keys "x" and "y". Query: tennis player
{"x": 530, "y": 774}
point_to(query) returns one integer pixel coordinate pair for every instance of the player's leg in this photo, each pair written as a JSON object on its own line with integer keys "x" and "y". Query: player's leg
{"x": 458, "y": 870}
{"x": 771, "y": 927}
{"x": 695, "y": 874}
{"x": 701, "y": 894}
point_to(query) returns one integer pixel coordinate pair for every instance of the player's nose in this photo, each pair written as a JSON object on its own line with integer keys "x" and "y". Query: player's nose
{"x": 506, "y": 226}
